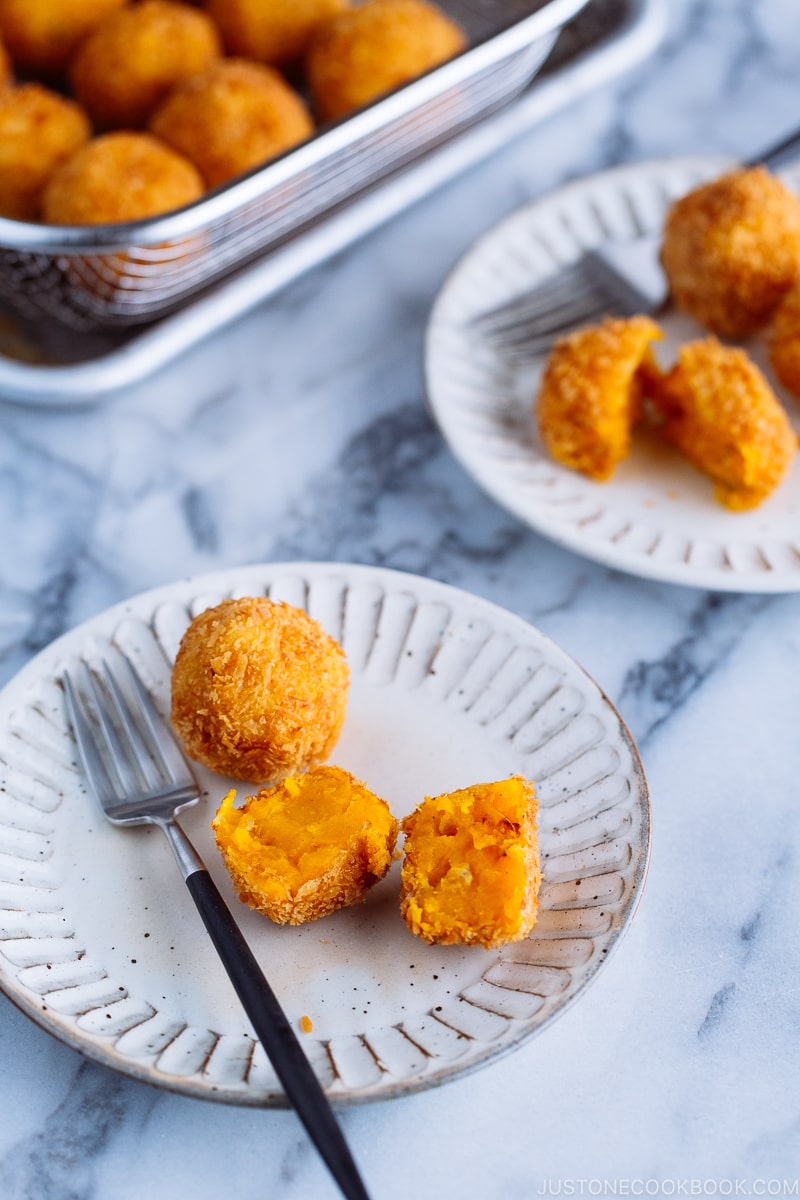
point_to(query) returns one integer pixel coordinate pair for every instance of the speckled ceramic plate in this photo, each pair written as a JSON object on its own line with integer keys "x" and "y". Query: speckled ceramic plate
{"x": 100, "y": 942}
{"x": 657, "y": 517}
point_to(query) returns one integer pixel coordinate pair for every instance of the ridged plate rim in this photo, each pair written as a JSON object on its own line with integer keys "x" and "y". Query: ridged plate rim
{"x": 692, "y": 541}
{"x": 462, "y": 611}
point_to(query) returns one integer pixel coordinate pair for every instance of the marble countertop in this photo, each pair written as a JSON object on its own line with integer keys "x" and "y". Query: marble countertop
{"x": 301, "y": 432}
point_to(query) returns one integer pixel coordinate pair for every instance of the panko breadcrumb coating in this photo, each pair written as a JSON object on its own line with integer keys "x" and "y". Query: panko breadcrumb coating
{"x": 123, "y": 70}
{"x": 308, "y": 846}
{"x": 591, "y": 393}
{"x": 259, "y": 690}
{"x": 39, "y": 131}
{"x": 42, "y": 35}
{"x": 731, "y": 250}
{"x": 232, "y": 117}
{"x": 278, "y": 32}
{"x": 720, "y": 412}
{"x": 6, "y": 69}
{"x": 784, "y": 340}
{"x": 368, "y": 50}
{"x": 471, "y": 870}
{"x": 119, "y": 177}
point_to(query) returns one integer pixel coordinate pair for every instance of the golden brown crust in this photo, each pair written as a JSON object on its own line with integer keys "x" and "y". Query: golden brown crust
{"x": 6, "y": 69}
{"x": 471, "y": 872}
{"x": 310, "y": 845}
{"x": 259, "y": 690}
{"x": 39, "y": 131}
{"x": 784, "y": 340}
{"x": 120, "y": 177}
{"x": 719, "y": 410}
{"x": 42, "y": 35}
{"x": 127, "y": 66}
{"x": 278, "y": 32}
{"x": 362, "y": 53}
{"x": 235, "y": 116}
{"x": 731, "y": 250}
{"x": 590, "y": 394}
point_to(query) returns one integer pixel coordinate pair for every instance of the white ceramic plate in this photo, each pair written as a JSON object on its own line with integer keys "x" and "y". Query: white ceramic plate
{"x": 657, "y": 517}
{"x": 101, "y": 944}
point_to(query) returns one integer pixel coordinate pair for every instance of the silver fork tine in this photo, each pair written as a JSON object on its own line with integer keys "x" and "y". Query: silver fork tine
{"x": 85, "y": 740}
{"x": 168, "y": 754}
{"x": 141, "y": 753}
{"x": 556, "y": 315}
{"x": 581, "y": 309}
{"x": 533, "y": 300}
{"x": 618, "y": 278}
{"x": 117, "y": 755}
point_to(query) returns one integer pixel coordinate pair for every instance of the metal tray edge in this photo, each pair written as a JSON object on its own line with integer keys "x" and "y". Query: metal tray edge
{"x": 85, "y": 383}
{"x": 227, "y": 200}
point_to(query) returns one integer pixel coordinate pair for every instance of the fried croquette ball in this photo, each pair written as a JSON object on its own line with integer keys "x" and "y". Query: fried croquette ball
{"x": 119, "y": 177}
{"x": 471, "y": 868}
{"x": 42, "y": 35}
{"x": 591, "y": 393}
{"x": 720, "y": 412}
{"x": 39, "y": 131}
{"x": 784, "y": 340}
{"x": 123, "y": 70}
{"x": 234, "y": 116}
{"x": 277, "y": 33}
{"x": 307, "y": 846}
{"x": 731, "y": 250}
{"x": 259, "y": 690}
{"x": 362, "y": 53}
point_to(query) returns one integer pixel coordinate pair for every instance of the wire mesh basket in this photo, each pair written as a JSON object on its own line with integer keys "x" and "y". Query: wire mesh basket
{"x": 105, "y": 277}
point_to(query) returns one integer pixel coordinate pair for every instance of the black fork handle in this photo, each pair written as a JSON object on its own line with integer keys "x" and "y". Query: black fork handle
{"x": 781, "y": 152}
{"x": 276, "y": 1035}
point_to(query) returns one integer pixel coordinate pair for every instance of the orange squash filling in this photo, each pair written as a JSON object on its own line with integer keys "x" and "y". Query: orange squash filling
{"x": 307, "y": 846}
{"x": 471, "y": 870}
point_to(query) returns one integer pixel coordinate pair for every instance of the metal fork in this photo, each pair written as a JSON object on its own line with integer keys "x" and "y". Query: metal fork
{"x": 619, "y": 278}
{"x": 140, "y": 776}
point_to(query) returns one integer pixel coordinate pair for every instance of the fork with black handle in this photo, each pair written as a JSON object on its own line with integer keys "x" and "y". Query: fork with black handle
{"x": 140, "y": 776}
{"x": 619, "y": 278}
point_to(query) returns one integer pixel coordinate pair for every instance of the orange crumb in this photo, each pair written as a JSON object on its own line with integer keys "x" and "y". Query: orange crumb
{"x": 306, "y": 1024}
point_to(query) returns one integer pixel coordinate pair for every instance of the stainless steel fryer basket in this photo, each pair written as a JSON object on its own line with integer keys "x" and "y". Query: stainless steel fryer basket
{"x": 109, "y": 277}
